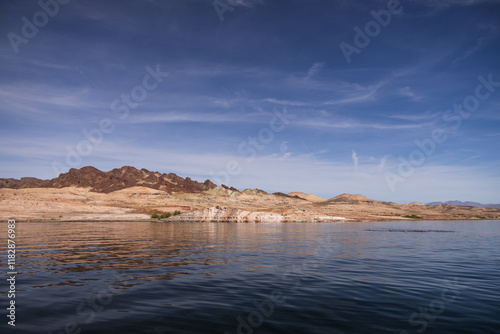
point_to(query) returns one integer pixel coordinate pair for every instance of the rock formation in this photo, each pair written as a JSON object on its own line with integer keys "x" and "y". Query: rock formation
{"x": 128, "y": 193}
{"x": 228, "y": 215}
{"x": 116, "y": 179}
{"x": 308, "y": 197}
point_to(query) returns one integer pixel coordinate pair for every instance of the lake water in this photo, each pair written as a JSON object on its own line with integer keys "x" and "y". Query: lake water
{"x": 256, "y": 278}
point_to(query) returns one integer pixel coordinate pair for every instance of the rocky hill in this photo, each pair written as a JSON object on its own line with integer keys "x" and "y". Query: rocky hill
{"x": 116, "y": 179}
{"x": 309, "y": 197}
{"x": 127, "y": 193}
{"x": 467, "y": 203}
{"x": 348, "y": 198}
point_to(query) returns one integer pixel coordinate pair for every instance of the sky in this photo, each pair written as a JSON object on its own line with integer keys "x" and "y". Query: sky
{"x": 397, "y": 101}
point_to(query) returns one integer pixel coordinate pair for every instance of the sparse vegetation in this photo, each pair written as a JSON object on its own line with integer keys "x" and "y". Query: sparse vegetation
{"x": 163, "y": 215}
{"x": 413, "y": 217}
{"x": 145, "y": 203}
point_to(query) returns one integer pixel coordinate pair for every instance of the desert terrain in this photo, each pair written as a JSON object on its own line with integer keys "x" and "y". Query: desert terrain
{"x": 128, "y": 194}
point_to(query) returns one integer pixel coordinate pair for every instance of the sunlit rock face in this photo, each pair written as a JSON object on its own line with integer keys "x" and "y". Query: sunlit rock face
{"x": 116, "y": 179}
{"x": 228, "y": 215}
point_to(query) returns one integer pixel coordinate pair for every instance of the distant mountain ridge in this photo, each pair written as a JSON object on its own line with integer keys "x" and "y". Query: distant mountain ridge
{"x": 116, "y": 179}
{"x": 467, "y": 203}
{"x": 127, "y": 177}
{"x": 309, "y": 197}
{"x": 128, "y": 193}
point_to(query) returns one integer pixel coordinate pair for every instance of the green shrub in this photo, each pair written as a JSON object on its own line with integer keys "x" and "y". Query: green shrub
{"x": 165, "y": 215}
{"x": 155, "y": 216}
{"x": 177, "y": 212}
{"x": 413, "y": 217}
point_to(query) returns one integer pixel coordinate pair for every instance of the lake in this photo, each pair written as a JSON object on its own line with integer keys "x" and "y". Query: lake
{"x": 151, "y": 277}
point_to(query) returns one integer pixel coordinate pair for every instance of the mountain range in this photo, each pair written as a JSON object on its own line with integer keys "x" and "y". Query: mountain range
{"x": 127, "y": 177}
{"x": 127, "y": 193}
{"x": 467, "y": 203}
{"x": 116, "y": 179}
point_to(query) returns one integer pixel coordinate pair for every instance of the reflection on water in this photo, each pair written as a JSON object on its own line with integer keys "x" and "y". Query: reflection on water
{"x": 209, "y": 277}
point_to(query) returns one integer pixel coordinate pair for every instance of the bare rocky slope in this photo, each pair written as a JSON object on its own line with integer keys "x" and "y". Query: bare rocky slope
{"x": 468, "y": 203}
{"x": 116, "y": 179}
{"x": 309, "y": 197}
{"x": 126, "y": 193}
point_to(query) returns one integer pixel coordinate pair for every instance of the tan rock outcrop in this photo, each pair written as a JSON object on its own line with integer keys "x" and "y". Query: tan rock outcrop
{"x": 227, "y": 215}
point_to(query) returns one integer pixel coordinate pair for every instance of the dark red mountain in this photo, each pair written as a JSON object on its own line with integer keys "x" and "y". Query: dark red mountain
{"x": 116, "y": 179}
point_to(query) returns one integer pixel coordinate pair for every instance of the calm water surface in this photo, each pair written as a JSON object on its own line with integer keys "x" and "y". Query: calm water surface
{"x": 256, "y": 278}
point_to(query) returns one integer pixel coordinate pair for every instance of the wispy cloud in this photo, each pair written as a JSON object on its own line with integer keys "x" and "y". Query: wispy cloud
{"x": 315, "y": 68}
{"x": 40, "y": 99}
{"x": 417, "y": 117}
{"x": 356, "y": 93}
{"x": 444, "y": 4}
{"x": 284, "y": 102}
{"x": 273, "y": 172}
{"x": 355, "y": 159}
{"x": 493, "y": 31}
{"x": 383, "y": 162}
{"x": 408, "y": 92}
{"x": 245, "y": 3}
{"x": 352, "y": 125}
{"x": 228, "y": 77}
{"x": 177, "y": 116}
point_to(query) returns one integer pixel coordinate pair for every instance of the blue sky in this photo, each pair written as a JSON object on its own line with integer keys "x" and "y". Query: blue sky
{"x": 258, "y": 93}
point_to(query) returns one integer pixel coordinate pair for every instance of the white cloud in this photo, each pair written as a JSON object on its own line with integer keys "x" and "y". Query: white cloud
{"x": 271, "y": 172}
{"x": 178, "y": 116}
{"x": 284, "y": 102}
{"x": 444, "y": 4}
{"x": 352, "y": 124}
{"x": 417, "y": 117}
{"x": 493, "y": 31}
{"x": 355, "y": 159}
{"x": 408, "y": 92}
{"x": 244, "y": 3}
{"x": 38, "y": 99}
{"x": 356, "y": 93}
{"x": 315, "y": 68}
{"x": 381, "y": 166}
